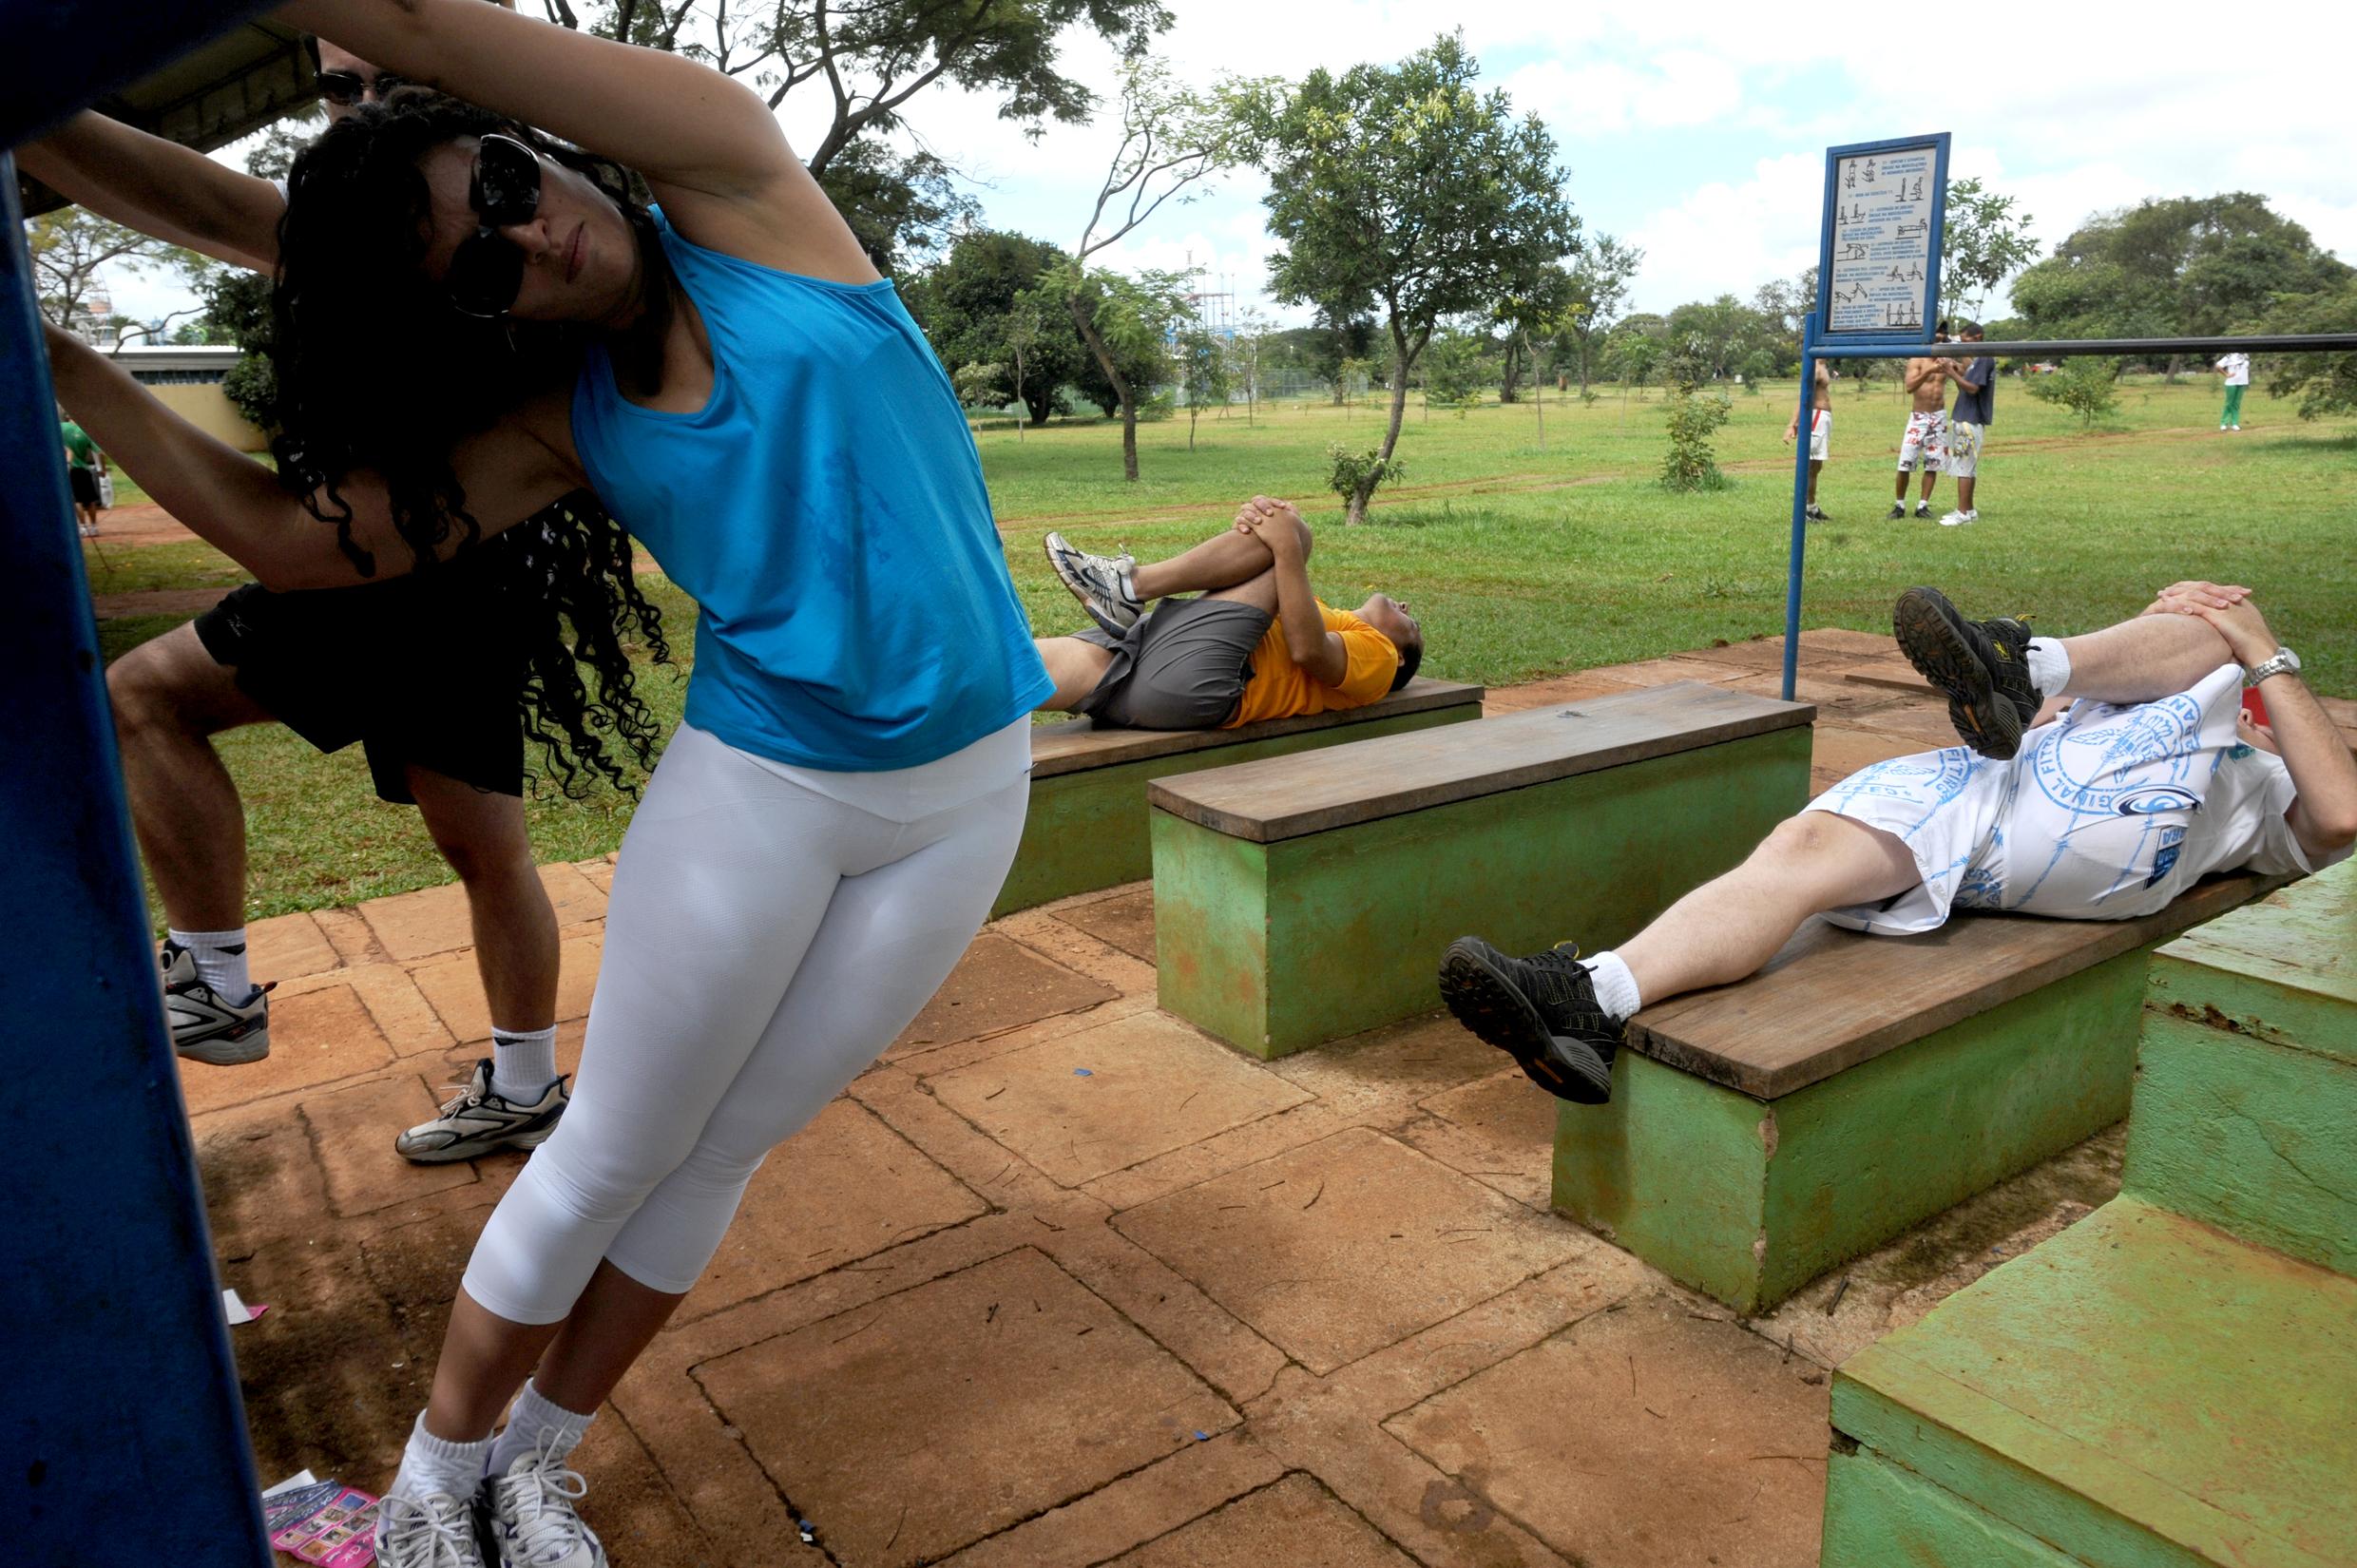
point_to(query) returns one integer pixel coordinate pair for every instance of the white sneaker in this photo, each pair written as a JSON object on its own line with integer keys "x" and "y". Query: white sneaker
{"x": 532, "y": 1520}
{"x": 205, "y": 1028}
{"x": 436, "y": 1531}
{"x": 1100, "y": 583}
{"x": 1956, "y": 520}
{"x": 477, "y": 1122}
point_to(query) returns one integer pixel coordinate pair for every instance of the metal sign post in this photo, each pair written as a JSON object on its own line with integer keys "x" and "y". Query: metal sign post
{"x": 1878, "y": 283}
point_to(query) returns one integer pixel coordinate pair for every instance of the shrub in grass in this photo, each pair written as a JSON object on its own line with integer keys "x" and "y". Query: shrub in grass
{"x": 2086, "y": 387}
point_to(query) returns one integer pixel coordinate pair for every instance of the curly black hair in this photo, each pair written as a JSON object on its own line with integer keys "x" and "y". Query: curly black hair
{"x": 376, "y": 370}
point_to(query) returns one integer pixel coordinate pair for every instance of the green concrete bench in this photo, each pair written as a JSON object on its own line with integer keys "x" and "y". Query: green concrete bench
{"x": 1305, "y": 898}
{"x": 2170, "y": 1380}
{"x": 1760, "y": 1133}
{"x": 1088, "y": 823}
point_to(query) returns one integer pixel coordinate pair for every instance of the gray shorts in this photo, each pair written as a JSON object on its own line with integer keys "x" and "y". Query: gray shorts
{"x": 1183, "y": 666}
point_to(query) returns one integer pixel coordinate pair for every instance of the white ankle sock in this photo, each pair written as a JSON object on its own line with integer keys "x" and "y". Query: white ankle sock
{"x": 2049, "y": 664}
{"x": 534, "y": 1419}
{"x": 1616, "y": 987}
{"x": 523, "y": 1064}
{"x": 431, "y": 1465}
{"x": 220, "y": 961}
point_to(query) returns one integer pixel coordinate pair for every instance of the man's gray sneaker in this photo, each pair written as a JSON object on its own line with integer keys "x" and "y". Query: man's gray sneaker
{"x": 428, "y": 1532}
{"x": 477, "y": 1122}
{"x": 205, "y": 1028}
{"x": 1100, "y": 583}
{"x": 532, "y": 1520}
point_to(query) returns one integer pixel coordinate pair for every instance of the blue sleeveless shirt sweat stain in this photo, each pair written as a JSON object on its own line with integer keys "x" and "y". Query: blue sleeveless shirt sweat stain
{"x": 825, "y": 508}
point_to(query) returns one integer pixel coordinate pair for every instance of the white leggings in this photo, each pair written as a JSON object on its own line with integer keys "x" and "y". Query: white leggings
{"x": 769, "y": 932}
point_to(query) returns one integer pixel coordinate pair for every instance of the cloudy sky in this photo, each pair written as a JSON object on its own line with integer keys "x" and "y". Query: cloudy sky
{"x": 1696, "y": 130}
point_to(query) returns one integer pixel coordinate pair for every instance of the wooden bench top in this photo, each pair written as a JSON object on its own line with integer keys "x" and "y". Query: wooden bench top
{"x": 1077, "y": 745}
{"x": 1285, "y": 798}
{"x": 1833, "y": 999}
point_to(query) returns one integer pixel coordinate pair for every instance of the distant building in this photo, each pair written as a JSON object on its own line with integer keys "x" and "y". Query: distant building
{"x": 187, "y": 380}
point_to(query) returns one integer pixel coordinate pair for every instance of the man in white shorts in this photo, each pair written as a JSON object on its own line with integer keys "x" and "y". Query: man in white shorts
{"x": 1967, "y": 426}
{"x": 1820, "y": 436}
{"x": 2148, "y": 780}
{"x": 1925, "y": 446}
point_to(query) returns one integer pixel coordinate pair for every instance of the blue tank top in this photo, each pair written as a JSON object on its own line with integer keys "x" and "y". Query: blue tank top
{"x": 825, "y": 508}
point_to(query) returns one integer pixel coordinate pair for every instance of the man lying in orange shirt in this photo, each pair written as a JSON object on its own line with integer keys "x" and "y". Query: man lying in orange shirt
{"x": 1254, "y": 643}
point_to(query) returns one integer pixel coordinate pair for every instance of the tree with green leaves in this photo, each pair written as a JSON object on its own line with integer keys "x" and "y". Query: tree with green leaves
{"x": 1248, "y": 353}
{"x": 1599, "y": 283}
{"x": 2087, "y": 386}
{"x": 1341, "y": 342}
{"x": 965, "y": 301}
{"x": 2323, "y": 383}
{"x": 1202, "y": 363}
{"x": 872, "y": 59}
{"x": 1021, "y": 329}
{"x": 1691, "y": 464}
{"x": 1403, "y": 192}
{"x": 1453, "y": 371}
{"x": 1526, "y": 317}
{"x": 1984, "y": 240}
{"x": 71, "y": 246}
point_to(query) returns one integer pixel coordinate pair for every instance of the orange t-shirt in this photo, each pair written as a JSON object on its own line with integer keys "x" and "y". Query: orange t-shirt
{"x": 1281, "y": 689}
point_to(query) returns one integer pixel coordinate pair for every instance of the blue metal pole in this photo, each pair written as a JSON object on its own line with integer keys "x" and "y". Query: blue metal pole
{"x": 1803, "y": 428}
{"x": 120, "y": 1418}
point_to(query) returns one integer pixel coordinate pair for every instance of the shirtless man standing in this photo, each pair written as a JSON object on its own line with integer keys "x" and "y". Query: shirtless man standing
{"x": 1820, "y": 438}
{"x": 1927, "y": 431}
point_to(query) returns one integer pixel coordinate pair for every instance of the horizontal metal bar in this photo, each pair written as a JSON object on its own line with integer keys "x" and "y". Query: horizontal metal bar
{"x": 2311, "y": 342}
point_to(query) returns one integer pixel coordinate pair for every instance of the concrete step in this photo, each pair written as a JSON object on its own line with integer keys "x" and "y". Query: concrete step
{"x": 2141, "y": 1390}
{"x": 2247, "y": 1072}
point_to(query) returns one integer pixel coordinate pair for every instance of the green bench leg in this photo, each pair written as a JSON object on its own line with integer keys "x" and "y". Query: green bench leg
{"x": 1088, "y": 830}
{"x": 1748, "y": 1200}
{"x": 1276, "y": 948}
{"x": 1878, "y": 1514}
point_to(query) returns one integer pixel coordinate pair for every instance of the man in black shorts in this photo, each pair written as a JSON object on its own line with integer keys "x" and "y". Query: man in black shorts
{"x": 425, "y": 672}
{"x": 1256, "y": 643}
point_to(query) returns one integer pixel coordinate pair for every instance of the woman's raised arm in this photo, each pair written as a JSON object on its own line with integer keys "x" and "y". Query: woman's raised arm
{"x": 238, "y": 506}
{"x": 709, "y": 147}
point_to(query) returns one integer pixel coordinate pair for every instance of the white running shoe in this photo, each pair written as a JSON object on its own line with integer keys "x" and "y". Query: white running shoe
{"x": 1100, "y": 583}
{"x": 533, "y": 1523}
{"x": 476, "y": 1121}
{"x": 205, "y": 1028}
{"x": 1957, "y": 520}
{"x": 436, "y": 1531}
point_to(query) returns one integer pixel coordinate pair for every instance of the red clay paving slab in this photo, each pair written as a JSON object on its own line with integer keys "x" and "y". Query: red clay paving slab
{"x": 454, "y": 984}
{"x": 261, "y": 1178}
{"x": 1644, "y": 1436}
{"x": 1123, "y": 921}
{"x": 1662, "y": 672}
{"x": 1336, "y": 1250}
{"x": 315, "y": 1038}
{"x": 436, "y": 920}
{"x": 1104, "y": 1098}
{"x": 1295, "y": 1523}
{"x": 998, "y": 985}
{"x": 1541, "y": 694}
{"x": 353, "y": 1129}
{"x": 288, "y": 948}
{"x": 1509, "y": 1114}
{"x": 917, "y": 1424}
{"x": 844, "y": 1188}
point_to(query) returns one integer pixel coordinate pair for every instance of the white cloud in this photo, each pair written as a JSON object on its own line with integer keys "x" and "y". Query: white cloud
{"x": 1723, "y": 238}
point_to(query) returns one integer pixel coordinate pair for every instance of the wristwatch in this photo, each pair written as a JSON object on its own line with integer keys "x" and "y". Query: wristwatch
{"x": 2284, "y": 663}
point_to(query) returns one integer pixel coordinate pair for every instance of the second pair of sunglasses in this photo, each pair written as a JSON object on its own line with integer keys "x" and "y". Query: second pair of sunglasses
{"x": 344, "y": 89}
{"x": 487, "y": 273}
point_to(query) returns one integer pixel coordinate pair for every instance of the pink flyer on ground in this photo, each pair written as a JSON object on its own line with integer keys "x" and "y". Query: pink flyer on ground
{"x": 328, "y": 1523}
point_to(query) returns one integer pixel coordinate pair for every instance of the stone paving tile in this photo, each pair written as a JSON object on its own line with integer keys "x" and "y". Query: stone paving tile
{"x": 1541, "y": 694}
{"x": 353, "y": 1129}
{"x": 1125, "y": 921}
{"x": 348, "y": 932}
{"x": 452, "y": 984}
{"x": 1662, "y": 672}
{"x": 1337, "y": 1250}
{"x": 318, "y": 1037}
{"x": 998, "y": 985}
{"x": 1087, "y": 1104}
{"x": 1031, "y": 1392}
{"x": 1645, "y": 1437}
{"x": 1296, "y": 1522}
{"x": 1767, "y": 653}
{"x": 436, "y": 920}
{"x": 1165, "y": 1496}
{"x": 1924, "y": 723}
{"x": 329, "y": 1383}
{"x": 287, "y": 947}
{"x": 844, "y": 1188}
{"x": 1500, "y": 1131}
{"x": 262, "y": 1180}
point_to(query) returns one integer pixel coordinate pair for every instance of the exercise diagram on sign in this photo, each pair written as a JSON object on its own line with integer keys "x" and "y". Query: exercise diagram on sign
{"x": 1882, "y": 261}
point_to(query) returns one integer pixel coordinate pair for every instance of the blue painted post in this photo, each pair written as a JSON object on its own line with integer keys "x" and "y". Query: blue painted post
{"x": 1802, "y": 430}
{"x": 120, "y": 1419}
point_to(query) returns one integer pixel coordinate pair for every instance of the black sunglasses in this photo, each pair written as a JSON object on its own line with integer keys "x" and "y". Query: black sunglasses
{"x": 487, "y": 273}
{"x": 344, "y": 89}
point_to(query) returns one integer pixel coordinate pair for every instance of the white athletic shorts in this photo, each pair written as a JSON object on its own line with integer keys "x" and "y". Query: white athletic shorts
{"x": 1964, "y": 448}
{"x": 1821, "y": 435}
{"x": 1925, "y": 442}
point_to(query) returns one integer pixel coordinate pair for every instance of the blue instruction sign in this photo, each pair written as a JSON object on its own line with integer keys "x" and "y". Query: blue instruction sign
{"x": 1879, "y": 274}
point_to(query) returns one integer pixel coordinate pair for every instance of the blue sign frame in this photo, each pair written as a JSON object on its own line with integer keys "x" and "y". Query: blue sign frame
{"x": 1824, "y": 303}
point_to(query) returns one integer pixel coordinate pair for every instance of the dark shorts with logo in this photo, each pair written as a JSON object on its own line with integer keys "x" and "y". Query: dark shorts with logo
{"x": 85, "y": 482}
{"x": 426, "y": 670}
{"x": 1184, "y": 666}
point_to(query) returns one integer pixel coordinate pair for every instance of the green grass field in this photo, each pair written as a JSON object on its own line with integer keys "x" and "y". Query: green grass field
{"x": 1525, "y": 559}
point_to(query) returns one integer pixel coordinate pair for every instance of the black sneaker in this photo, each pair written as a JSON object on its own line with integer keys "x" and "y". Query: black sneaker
{"x": 1815, "y": 513}
{"x": 1898, "y": 510}
{"x": 1923, "y": 508}
{"x": 1540, "y": 1009}
{"x": 1981, "y": 665}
